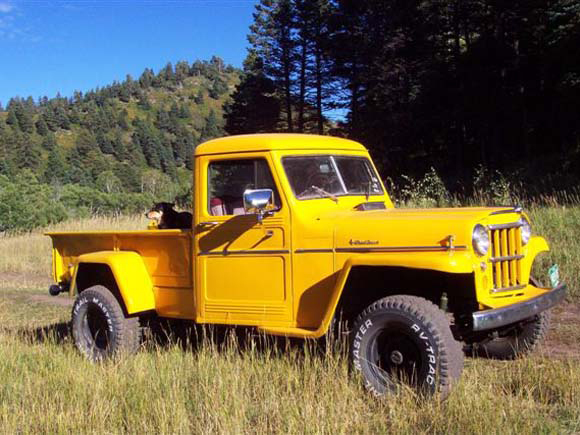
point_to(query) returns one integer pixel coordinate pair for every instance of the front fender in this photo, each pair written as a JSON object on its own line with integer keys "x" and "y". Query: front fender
{"x": 450, "y": 262}
{"x": 130, "y": 274}
{"x": 535, "y": 246}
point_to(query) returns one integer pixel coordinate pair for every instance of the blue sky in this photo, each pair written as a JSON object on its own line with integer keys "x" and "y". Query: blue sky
{"x": 62, "y": 46}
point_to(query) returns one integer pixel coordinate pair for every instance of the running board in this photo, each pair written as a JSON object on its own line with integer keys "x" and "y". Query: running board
{"x": 290, "y": 332}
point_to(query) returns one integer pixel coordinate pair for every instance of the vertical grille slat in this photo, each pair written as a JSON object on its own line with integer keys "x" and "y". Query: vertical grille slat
{"x": 496, "y": 253}
{"x": 512, "y": 252}
{"x": 506, "y": 251}
{"x": 519, "y": 252}
{"x": 505, "y": 278}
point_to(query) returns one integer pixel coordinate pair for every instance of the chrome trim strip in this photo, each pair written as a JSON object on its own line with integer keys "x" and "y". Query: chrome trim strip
{"x": 508, "y": 289}
{"x": 505, "y": 258}
{"x": 516, "y": 209}
{"x": 492, "y": 319}
{"x": 246, "y": 252}
{"x": 313, "y": 251}
{"x": 403, "y": 249}
{"x": 505, "y": 226}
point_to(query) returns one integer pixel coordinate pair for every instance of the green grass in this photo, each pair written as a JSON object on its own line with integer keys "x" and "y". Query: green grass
{"x": 253, "y": 387}
{"x": 561, "y": 227}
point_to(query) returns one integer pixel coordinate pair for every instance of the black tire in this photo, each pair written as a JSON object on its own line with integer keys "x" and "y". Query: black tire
{"x": 405, "y": 340}
{"x": 516, "y": 342}
{"x": 100, "y": 328}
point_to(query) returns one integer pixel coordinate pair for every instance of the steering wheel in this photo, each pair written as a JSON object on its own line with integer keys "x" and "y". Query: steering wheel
{"x": 323, "y": 181}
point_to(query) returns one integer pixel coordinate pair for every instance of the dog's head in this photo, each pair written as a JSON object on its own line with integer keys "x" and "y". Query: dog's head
{"x": 158, "y": 210}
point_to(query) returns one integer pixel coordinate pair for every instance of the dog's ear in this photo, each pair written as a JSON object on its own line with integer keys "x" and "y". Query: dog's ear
{"x": 171, "y": 204}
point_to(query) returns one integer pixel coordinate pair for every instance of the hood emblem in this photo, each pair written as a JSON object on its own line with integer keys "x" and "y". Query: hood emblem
{"x": 353, "y": 242}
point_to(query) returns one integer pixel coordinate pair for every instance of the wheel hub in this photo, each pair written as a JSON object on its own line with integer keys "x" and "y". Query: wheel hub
{"x": 396, "y": 357}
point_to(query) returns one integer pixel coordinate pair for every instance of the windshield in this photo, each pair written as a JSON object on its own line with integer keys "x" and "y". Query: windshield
{"x": 331, "y": 176}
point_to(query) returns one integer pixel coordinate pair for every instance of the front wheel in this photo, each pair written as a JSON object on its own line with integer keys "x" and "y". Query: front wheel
{"x": 100, "y": 328}
{"x": 405, "y": 339}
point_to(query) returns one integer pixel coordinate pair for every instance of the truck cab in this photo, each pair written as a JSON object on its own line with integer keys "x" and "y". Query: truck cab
{"x": 292, "y": 233}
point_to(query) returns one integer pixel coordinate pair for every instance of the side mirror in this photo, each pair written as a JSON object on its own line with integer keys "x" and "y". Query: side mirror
{"x": 259, "y": 202}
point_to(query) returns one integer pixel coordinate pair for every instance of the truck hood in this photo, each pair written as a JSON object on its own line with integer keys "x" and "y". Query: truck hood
{"x": 407, "y": 229}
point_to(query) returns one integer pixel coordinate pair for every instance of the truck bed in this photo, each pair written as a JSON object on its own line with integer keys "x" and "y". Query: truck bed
{"x": 166, "y": 255}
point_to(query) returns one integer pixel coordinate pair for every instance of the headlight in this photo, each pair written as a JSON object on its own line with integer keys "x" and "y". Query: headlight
{"x": 480, "y": 239}
{"x": 526, "y": 231}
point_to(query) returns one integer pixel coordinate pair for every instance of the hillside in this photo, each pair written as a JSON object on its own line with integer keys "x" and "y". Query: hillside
{"x": 112, "y": 149}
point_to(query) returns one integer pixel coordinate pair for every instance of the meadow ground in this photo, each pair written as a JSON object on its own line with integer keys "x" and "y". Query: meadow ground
{"x": 245, "y": 383}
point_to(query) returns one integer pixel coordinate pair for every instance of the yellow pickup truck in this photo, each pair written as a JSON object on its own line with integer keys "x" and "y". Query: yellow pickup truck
{"x": 294, "y": 232}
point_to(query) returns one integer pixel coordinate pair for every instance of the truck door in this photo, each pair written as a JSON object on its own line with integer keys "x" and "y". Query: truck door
{"x": 243, "y": 266}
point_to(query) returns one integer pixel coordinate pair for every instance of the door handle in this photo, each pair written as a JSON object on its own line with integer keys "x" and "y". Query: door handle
{"x": 208, "y": 224}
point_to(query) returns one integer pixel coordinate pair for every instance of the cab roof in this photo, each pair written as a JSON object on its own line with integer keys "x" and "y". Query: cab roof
{"x": 274, "y": 142}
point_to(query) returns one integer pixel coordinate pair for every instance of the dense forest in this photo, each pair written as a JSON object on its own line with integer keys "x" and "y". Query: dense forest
{"x": 458, "y": 85}
{"x": 461, "y": 90}
{"x": 110, "y": 150}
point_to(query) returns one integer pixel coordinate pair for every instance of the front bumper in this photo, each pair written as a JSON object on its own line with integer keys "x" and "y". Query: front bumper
{"x": 492, "y": 319}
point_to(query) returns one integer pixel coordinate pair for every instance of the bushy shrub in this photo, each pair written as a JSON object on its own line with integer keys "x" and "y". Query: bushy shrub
{"x": 428, "y": 191}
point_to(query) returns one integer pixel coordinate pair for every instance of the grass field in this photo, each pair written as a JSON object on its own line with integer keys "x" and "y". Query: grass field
{"x": 250, "y": 384}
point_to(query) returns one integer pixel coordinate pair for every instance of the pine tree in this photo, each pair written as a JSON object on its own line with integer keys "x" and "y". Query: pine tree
{"x": 184, "y": 111}
{"x": 146, "y": 79}
{"x": 104, "y": 143}
{"x": 56, "y": 170}
{"x": 12, "y": 119}
{"x": 199, "y": 97}
{"x": 49, "y": 142}
{"x": 123, "y": 119}
{"x": 181, "y": 71}
{"x": 211, "y": 128}
{"x": 174, "y": 110}
{"x": 163, "y": 121}
{"x": 271, "y": 36}
{"x": 254, "y": 107}
{"x": 85, "y": 143}
{"x": 217, "y": 89}
{"x": 49, "y": 117}
{"x": 41, "y": 127}
{"x": 143, "y": 101}
{"x": 62, "y": 118}
{"x": 167, "y": 73}
{"x": 146, "y": 138}
{"x": 29, "y": 156}
{"x": 119, "y": 148}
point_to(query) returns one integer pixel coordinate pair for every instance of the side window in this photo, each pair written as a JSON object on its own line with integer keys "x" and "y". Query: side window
{"x": 228, "y": 179}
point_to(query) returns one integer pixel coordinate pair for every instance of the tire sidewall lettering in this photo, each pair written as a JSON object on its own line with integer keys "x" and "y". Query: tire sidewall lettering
{"x": 368, "y": 329}
{"x": 80, "y": 310}
{"x": 359, "y": 335}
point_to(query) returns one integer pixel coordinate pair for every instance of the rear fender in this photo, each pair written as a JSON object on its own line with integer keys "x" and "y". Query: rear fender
{"x": 130, "y": 274}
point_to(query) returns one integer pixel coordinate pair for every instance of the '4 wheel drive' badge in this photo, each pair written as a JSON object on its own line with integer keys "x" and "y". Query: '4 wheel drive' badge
{"x": 363, "y": 242}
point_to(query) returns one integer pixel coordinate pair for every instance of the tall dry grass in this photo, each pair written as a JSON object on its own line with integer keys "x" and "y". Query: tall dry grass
{"x": 31, "y": 252}
{"x": 262, "y": 388}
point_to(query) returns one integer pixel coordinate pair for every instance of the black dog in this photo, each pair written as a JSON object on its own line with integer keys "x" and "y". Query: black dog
{"x": 167, "y": 218}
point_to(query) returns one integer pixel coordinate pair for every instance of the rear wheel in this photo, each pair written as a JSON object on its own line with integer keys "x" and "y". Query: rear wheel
{"x": 100, "y": 328}
{"x": 517, "y": 341}
{"x": 405, "y": 340}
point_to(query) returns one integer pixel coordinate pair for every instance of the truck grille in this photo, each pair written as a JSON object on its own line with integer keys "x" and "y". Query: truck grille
{"x": 506, "y": 259}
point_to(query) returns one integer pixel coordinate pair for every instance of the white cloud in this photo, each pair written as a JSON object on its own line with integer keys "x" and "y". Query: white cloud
{"x": 12, "y": 26}
{"x": 6, "y": 7}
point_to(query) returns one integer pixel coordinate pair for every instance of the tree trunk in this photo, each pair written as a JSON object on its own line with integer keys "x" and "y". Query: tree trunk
{"x": 302, "y": 96}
